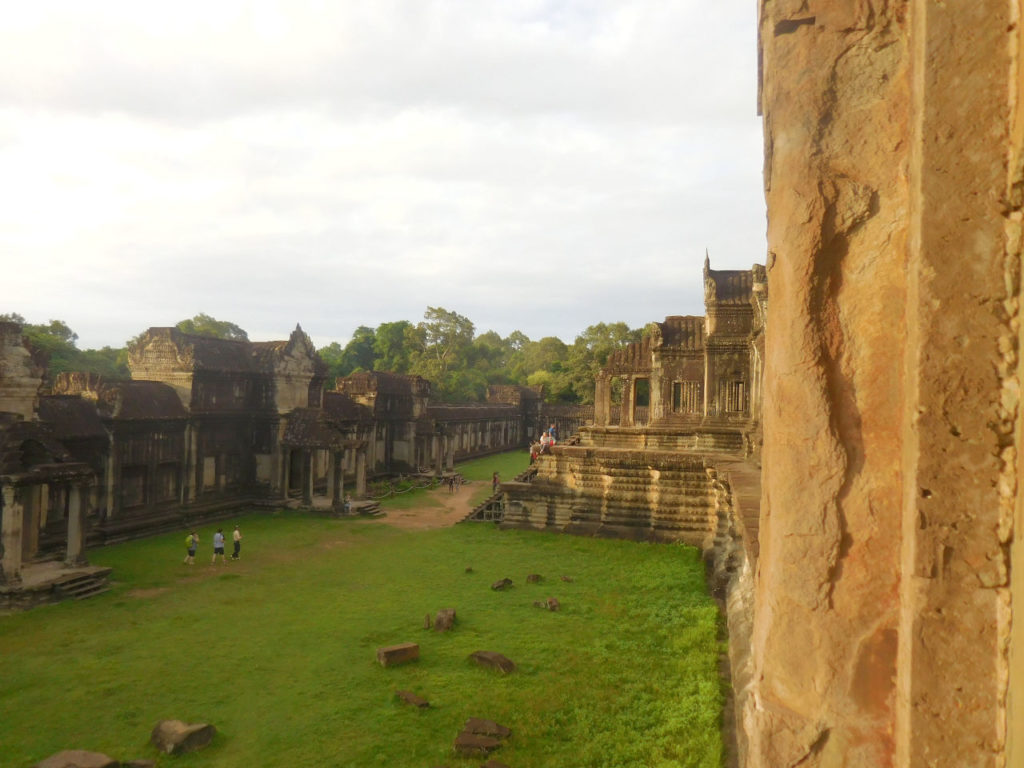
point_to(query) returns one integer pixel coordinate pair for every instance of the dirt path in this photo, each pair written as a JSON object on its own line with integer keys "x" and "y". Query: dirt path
{"x": 453, "y": 507}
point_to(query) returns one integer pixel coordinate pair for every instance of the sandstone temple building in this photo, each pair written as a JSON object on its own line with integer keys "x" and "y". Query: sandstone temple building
{"x": 685, "y": 430}
{"x": 850, "y": 454}
{"x": 209, "y": 425}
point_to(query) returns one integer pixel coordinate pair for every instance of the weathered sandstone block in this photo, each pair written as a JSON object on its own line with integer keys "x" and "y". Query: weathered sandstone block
{"x": 493, "y": 660}
{"x": 473, "y": 745}
{"x": 78, "y": 758}
{"x": 392, "y": 655}
{"x": 411, "y": 698}
{"x": 484, "y": 727}
{"x": 177, "y": 738}
{"x": 444, "y": 620}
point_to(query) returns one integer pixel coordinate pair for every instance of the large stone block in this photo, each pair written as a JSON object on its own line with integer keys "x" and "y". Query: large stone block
{"x": 177, "y": 738}
{"x": 393, "y": 655}
{"x": 493, "y": 660}
{"x": 78, "y": 758}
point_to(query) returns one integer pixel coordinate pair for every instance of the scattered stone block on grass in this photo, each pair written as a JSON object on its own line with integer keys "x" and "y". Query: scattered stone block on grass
{"x": 474, "y": 745}
{"x": 567, "y": 578}
{"x": 411, "y": 698}
{"x": 392, "y": 655}
{"x": 426, "y": 622}
{"x": 553, "y": 604}
{"x": 533, "y": 578}
{"x": 444, "y": 620}
{"x": 479, "y": 737}
{"x": 469, "y": 569}
{"x": 175, "y": 737}
{"x": 484, "y": 727}
{"x": 78, "y": 758}
{"x": 493, "y": 660}
{"x": 502, "y": 584}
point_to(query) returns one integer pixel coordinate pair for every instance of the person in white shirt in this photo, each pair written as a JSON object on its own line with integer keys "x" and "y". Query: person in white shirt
{"x": 218, "y": 546}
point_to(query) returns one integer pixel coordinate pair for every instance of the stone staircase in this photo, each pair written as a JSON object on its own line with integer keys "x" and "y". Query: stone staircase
{"x": 644, "y": 495}
{"x": 492, "y": 509}
{"x": 703, "y": 440}
{"x": 80, "y": 586}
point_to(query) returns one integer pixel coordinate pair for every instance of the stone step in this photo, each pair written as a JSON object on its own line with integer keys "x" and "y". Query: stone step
{"x": 645, "y": 492}
{"x": 82, "y": 586}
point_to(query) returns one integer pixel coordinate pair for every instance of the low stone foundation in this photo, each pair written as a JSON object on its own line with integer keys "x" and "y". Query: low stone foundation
{"x": 48, "y": 582}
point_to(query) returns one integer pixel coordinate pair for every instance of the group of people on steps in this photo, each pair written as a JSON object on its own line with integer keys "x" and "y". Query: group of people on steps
{"x": 547, "y": 439}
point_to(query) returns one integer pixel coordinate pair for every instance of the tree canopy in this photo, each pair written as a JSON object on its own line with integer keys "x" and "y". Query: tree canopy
{"x": 205, "y": 325}
{"x": 443, "y": 348}
{"x": 57, "y": 343}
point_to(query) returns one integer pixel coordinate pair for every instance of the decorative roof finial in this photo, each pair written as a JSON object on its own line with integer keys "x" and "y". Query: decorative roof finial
{"x": 707, "y": 260}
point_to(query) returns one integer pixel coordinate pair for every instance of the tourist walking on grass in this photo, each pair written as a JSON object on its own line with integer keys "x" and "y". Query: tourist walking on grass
{"x": 191, "y": 543}
{"x": 236, "y": 537}
{"x": 494, "y": 482}
{"x": 218, "y": 546}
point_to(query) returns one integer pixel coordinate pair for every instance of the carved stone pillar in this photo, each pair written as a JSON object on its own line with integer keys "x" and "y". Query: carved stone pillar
{"x": 628, "y": 400}
{"x": 332, "y": 474}
{"x": 361, "y": 472}
{"x": 193, "y": 473}
{"x": 110, "y": 483}
{"x": 602, "y": 402}
{"x": 658, "y": 397}
{"x": 44, "y": 505}
{"x": 307, "y": 477}
{"x": 10, "y": 535}
{"x": 286, "y": 472}
{"x": 76, "y": 527}
{"x": 438, "y": 454}
{"x": 450, "y": 453}
{"x": 338, "y": 468}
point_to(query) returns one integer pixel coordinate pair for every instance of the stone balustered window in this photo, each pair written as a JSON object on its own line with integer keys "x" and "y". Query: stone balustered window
{"x": 736, "y": 397}
{"x": 687, "y": 397}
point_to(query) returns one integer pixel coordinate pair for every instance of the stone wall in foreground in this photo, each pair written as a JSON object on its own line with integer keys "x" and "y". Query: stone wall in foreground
{"x": 883, "y": 629}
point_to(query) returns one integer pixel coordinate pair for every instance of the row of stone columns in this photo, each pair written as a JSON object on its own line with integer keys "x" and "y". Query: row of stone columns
{"x": 335, "y": 474}
{"x": 603, "y": 399}
{"x": 13, "y": 528}
{"x": 444, "y": 453}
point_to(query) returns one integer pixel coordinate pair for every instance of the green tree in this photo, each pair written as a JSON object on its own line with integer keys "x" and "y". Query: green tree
{"x": 440, "y": 346}
{"x": 358, "y": 353}
{"x": 517, "y": 340}
{"x": 544, "y": 354}
{"x": 205, "y": 325}
{"x": 332, "y": 356}
{"x": 590, "y": 351}
{"x": 58, "y": 344}
{"x": 390, "y": 347}
{"x": 491, "y": 355}
{"x": 109, "y": 362}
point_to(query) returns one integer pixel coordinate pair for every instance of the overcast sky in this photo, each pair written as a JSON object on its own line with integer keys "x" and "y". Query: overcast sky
{"x": 539, "y": 165}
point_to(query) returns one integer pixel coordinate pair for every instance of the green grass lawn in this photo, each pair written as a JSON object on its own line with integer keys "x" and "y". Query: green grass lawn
{"x": 278, "y": 651}
{"x": 478, "y": 472}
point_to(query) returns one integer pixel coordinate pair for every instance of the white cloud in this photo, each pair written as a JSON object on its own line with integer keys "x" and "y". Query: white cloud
{"x": 533, "y": 165}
